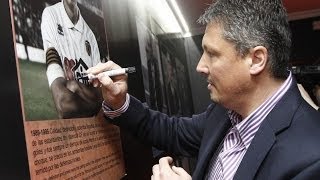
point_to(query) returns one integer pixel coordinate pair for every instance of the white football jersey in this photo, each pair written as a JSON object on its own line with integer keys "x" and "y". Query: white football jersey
{"x": 76, "y": 44}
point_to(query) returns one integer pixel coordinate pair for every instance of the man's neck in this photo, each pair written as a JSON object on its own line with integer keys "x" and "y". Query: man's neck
{"x": 72, "y": 12}
{"x": 260, "y": 93}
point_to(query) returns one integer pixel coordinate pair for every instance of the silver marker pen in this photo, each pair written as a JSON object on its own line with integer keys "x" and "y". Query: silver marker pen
{"x": 114, "y": 72}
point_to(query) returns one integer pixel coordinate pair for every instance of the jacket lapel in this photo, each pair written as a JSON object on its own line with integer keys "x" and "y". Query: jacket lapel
{"x": 275, "y": 123}
{"x": 213, "y": 135}
{"x": 258, "y": 149}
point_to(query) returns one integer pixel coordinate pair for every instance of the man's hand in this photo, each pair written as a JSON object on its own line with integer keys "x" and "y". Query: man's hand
{"x": 164, "y": 171}
{"x": 114, "y": 89}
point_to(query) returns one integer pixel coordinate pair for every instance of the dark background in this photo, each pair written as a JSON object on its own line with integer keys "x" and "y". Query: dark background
{"x": 13, "y": 152}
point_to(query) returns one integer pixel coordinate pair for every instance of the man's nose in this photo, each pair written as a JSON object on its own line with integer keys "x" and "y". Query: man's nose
{"x": 201, "y": 67}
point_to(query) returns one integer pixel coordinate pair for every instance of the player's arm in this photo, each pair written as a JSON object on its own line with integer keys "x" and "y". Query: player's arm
{"x": 76, "y": 102}
{"x": 90, "y": 95}
{"x": 72, "y": 98}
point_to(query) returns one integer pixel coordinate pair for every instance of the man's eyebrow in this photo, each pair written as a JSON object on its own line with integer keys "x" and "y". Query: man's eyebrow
{"x": 208, "y": 48}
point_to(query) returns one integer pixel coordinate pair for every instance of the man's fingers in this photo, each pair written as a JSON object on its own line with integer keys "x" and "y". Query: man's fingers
{"x": 102, "y": 79}
{"x": 164, "y": 164}
{"x": 96, "y": 83}
{"x": 164, "y": 171}
{"x": 103, "y": 67}
{"x": 112, "y": 85}
{"x": 155, "y": 170}
{"x": 106, "y": 81}
{"x": 181, "y": 172}
{"x": 96, "y": 69}
{"x": 178, "y": 170}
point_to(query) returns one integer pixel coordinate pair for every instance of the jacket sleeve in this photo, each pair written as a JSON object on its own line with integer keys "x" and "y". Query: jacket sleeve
{"x": 178, "y": 135}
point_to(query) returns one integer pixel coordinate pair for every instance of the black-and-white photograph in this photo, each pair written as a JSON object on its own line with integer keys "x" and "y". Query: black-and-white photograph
{"x": 56, "y": 42}
{"x": 176, "y": 83}
{"x": 151, "y": 68}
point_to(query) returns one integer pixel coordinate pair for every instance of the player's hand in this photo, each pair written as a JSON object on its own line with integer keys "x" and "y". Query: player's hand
{"x": 164, "y": 171}
{"x": 114, "y": 89}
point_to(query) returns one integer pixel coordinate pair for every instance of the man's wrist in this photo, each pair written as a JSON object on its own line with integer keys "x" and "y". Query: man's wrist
{"x": 115, "y": 113}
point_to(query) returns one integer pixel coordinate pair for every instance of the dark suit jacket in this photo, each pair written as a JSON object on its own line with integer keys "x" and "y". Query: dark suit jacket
{"x": 286, "y": 146}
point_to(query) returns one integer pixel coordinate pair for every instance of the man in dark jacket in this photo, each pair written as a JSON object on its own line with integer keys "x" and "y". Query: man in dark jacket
{"x": 259, "y": 126}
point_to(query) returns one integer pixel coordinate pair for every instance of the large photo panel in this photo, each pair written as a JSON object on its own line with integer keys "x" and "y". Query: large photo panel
{"x": 66, "y": 135}
{"x": 175, "y": 76}
{"x": 48, "y": 37}
{"x": 151, "y": 68}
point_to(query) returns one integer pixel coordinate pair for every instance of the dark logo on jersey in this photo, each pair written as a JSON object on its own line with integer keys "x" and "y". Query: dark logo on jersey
{"x": 88, "y": 47}
{"x": 60, "y": 30}
{"x": 76, "y": 70}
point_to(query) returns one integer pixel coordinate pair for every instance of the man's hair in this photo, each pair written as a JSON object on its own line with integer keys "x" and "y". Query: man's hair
{"x": 251, "y": 23}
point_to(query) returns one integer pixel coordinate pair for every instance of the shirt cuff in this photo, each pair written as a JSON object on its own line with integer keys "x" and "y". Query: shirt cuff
{"x": 115, "y": 113}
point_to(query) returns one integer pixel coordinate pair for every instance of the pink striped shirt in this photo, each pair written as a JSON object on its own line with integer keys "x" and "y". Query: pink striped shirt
{"x": 115, "y": 113}
{"x": 240, "y": 135}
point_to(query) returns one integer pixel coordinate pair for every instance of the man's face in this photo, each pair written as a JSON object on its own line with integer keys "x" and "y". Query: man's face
{"x": 227, "y": 72}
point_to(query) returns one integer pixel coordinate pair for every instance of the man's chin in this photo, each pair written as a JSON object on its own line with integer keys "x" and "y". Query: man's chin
{"x": 214, "y": 98}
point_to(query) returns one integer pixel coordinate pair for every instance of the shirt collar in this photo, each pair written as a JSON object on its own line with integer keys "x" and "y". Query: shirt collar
{"x": 249, "y": 126}
{"x": 68, "y": 23}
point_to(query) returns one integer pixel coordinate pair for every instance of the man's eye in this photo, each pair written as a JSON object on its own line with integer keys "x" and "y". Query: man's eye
{"x": 210, "y": 54}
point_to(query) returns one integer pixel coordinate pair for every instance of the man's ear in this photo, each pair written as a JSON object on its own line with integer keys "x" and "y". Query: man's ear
{"x": 259, "y": 57}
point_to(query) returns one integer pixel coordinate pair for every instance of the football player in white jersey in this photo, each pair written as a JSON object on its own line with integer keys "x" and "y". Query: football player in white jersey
{"x": 71, "y": 48}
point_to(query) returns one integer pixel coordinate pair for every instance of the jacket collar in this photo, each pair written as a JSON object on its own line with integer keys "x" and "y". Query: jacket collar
{"x": 276, "y": 122}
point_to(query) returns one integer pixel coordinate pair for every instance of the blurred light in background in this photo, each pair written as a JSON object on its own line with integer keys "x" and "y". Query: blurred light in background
{"x": 181, "y": 19}
{"x": 166, "y": 13}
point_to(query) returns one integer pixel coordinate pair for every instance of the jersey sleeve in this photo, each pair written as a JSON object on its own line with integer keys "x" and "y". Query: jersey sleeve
{"x": 51, "y": 50}
{"x": 48, "y": 30}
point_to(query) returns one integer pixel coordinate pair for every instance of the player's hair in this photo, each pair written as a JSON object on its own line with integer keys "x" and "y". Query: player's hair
{"x": 251, "y": 23}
